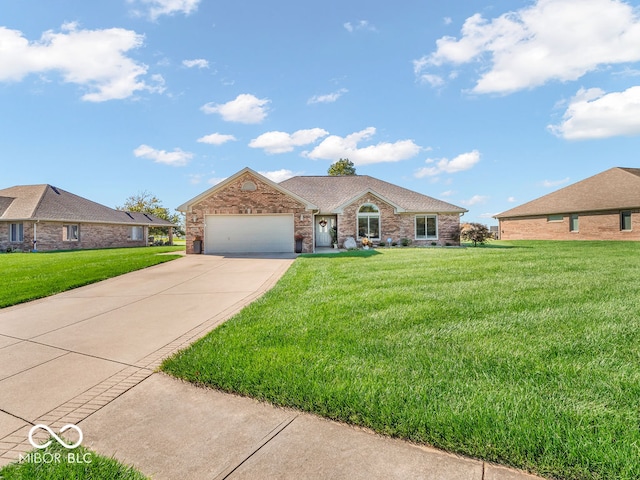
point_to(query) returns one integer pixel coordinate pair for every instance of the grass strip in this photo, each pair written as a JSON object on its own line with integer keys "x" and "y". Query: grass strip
{"x": 53, "y": 463}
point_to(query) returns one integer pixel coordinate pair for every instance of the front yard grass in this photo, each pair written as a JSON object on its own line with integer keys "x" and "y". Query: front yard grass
{"x": 526, "y": 356}
{"x": 27, "y": 276}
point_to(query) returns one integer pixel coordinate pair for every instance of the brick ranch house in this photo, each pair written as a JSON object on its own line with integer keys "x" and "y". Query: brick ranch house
{"x": 49, "y": 218}
{"x": 605, "y": 206}
{"x": 248, "y": 213}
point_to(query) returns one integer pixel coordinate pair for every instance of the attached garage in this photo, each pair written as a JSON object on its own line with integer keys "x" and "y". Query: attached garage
{"x": 249, "y": 234}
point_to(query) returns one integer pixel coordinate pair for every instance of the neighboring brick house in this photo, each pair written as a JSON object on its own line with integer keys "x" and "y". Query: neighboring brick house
{"x": 248, "y": 213}
{"x": 49, "y": 218}
{"x": 605, "y": 206}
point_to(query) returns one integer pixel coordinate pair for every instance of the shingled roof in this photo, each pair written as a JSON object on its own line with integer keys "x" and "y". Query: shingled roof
{"x": 614, "y": 189}
{"x": 45, "y": 202}
{"x": 330, "y": 193}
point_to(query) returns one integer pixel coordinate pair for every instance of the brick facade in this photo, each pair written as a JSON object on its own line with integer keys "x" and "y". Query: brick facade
{"x": 591, "y": 226}
{"x": 49, "y": 236}
{"x": 233, "y": 200}
{"x": 396, "y": 225}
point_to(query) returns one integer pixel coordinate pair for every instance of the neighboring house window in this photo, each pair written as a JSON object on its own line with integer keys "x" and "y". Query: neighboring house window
{"x": 136, "y": 233}
{"x": 16, "y": 232}
{"x": 625, "y": 220}
{"x": 573, "y": 223}
{"x": 426, "y": 227}
{"x": 555, "y": 218}
{"x": 369, "y": 221}
{"x": 70, "y": 233}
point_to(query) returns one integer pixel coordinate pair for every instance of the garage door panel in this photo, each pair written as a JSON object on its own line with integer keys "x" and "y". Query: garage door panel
{"x": 249, "y": 234}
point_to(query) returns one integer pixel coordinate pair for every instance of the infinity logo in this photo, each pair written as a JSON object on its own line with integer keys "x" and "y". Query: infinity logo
{"x": 58, "y": 439}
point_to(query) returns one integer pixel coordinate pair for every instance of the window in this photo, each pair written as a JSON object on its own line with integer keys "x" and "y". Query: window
{"x": 136, "y": 233}
{"x": 625, "y": 220}
{"x": 16, "y": 232}
{"x": 369, "y": 222}
{"x": 70, "y": 233}
{"x": 249, "y": 186}
{"x": 573, "y": 223}
{"x": 426, "y": 227}
{"x": 555, "y": 218}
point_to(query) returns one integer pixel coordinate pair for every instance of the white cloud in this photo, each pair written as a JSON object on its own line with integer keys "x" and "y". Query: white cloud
{"x": 195, "y": 178}
{"x": 476, "y": 199}
{"x": 447, "y": 193}
{"x": 594, "y": 114}
{"x": 362, "y": 25}
{"x": 462, "y": 162}
{"x": 216, "y": 139}
{"x": 157, "y": 8}
{"x": 328, "y": 98}
{"x": 447, "y": 20}
{"x": 335, "y": 147}
{"x": 282, "y": 142}
{"x": 216, "y": 180}
{"x": 554, "y": 183}
{"x": 177, "y": 158}
{"x": 279, "y": 175}
{"x": 94, "y": 59}
{"x": 196, "y": 62}
{"x": 549, "y": 40}
{"x": 246, "y": 108}
{"x": 511, "y": 199}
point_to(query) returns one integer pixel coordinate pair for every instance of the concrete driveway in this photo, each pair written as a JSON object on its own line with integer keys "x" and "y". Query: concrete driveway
{"x": 87, "y": 357}
{"x": 65, "y": 357}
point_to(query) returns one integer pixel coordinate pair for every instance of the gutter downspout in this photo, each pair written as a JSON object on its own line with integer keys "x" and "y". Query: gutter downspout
{"x": 313, "y": 228}
{"x": 35, "y": 235}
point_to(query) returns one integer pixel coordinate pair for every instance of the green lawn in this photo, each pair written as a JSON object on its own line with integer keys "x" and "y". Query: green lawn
{"x": 27, "y": 276}
{"x": 525, "y": 354}
{"x": 85, "y": 465}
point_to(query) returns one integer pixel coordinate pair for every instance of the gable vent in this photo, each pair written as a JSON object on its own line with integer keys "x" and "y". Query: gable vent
{"x": 249, "y": 186}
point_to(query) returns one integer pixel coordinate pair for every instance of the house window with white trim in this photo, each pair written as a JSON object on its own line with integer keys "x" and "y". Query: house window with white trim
{"x": 369, "y": 222}
{"x": 16, "y": 232}
{"x": 70, "y": 233}
{"x": 136, "y": 233}
{"x": 426, "y": 227}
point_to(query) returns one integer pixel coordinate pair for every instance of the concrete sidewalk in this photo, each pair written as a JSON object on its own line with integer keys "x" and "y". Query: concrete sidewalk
{"x": 87, "y": 357}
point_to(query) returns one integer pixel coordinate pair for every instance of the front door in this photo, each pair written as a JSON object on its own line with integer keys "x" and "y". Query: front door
{"x": 324, "y": 224}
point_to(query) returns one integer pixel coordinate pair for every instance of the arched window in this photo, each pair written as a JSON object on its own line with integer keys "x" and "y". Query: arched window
{"x": 369, "y": 222}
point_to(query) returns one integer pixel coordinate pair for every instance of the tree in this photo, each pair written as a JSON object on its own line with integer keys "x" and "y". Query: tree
{"x": 146, "y": 202}
{"x": 342, "y": 167}
{"x": 476, "y": 233}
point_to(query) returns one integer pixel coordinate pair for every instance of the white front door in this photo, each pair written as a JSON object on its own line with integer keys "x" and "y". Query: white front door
{"x": 324, "y": 224}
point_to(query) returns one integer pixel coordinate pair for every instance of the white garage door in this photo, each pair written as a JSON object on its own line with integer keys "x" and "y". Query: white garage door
{"x": 248, "y": 234}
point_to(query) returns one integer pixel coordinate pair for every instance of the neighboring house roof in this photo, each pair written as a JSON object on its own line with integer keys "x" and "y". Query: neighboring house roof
{"x": 613, "y": 189}
{"x": 333, "y": 193}
{"x": 45, "y": 202}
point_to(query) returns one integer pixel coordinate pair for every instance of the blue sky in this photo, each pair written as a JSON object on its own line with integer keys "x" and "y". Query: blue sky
{"x": 485, "y": 104}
